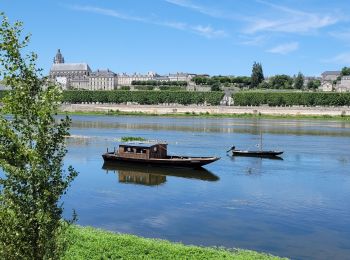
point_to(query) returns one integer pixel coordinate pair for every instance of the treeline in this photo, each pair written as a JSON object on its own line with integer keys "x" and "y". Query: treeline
{"x": 252, "y": 98}
{"x": 281, "y": 81}
{"x": 143, "y": 97}
{"x": 200, "y": 80}
{"x": 158, "y": 83}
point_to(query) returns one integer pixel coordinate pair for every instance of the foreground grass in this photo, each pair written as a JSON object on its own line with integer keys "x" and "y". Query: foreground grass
{"x": 209, "y": 115}
{"x": 91, "y": 243}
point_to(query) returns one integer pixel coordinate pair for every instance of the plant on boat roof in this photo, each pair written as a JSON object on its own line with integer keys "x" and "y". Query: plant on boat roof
{"x": 132, "y": 138}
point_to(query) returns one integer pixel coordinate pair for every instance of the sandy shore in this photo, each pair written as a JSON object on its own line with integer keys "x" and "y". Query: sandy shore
{"x": 180, "y": 109}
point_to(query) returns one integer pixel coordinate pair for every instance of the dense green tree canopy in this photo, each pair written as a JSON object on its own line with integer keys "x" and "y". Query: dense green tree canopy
{"x": 32, "y": 148}
{"x": 299, "y": 81}
{"x": 257, "y": 75}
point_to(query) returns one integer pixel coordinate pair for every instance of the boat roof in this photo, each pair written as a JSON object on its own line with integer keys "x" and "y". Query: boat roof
{"x": 141, "y": 144}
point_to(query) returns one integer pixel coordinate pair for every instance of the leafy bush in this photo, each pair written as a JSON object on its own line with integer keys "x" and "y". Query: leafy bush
{"x": 143, "y": 97}
{"x": 291, "y": 98}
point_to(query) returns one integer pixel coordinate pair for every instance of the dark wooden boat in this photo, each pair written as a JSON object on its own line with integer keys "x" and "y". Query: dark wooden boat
{"x": 154, "y": 154}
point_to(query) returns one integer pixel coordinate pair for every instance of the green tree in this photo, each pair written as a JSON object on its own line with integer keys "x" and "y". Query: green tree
{"x": 257, "y": 75}
{"x": 32, "y": 148}
{"x": 215, "y": 86}
{"x": 313, "y": 84}
{"x": 299, "y": 81}
{"x": 281, "y": 82}
{"x": 345, "y": 71}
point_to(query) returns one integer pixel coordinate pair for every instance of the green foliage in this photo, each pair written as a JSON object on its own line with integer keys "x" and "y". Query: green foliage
{"x": 257, "y": 75}
{"x": 132, "y": 138}
{"x": 32, "y": 148}
{"x": 281, "y": 82}
{"x": 345, "y": 71}
{"x": 158, "y": 83}
{"x": 124, "y": 88}
{"x": 264, "y": 85}
{"x": 313, "y": 84}
{"x": 143, "y": 97}
{"x": 241, "y": 81}
{"x": 144, "y": 87}
{"x": 215, "y": 87}
{"x": 172, "y": 88}
{"x": 89, "y": 243}
{"x": 291, "y": 98}
{"x": 299, "y": 81}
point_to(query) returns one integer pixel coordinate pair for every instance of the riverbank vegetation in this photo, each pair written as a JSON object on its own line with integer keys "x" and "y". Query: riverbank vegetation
{"x": 143, "y": 97}
{"x": 310, "y": 99}
{"x": 212, "y": 115}
{"x": 90, "y": 243}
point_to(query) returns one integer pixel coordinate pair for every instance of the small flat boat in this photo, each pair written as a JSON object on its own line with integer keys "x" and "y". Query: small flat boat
{"x": 258, "y": 153}
{"x": 153, "y": 154}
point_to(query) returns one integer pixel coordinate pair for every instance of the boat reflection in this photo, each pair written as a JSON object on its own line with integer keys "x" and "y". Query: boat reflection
{"x": 153, "y": 176}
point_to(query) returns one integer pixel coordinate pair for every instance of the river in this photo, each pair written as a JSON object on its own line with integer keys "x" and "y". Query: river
{"x": 298, "y": 207}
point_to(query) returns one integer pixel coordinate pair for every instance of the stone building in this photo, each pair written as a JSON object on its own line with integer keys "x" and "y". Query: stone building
{"x": 103, "y": 80}
{"x": 126, "y": 80}
{"x": 330, "y": 75}
{"x": 70, "y": 75}
{"x": 344, "y": 85}
{"x": 180, "y": 76}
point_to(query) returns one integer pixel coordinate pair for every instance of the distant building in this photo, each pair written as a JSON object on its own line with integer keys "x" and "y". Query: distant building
{"x": 80, "y": 76}
{"x": 103, "y": 80}
{"x": 330, "y": 75}
{"x": 327, "y": 86}
{"x": 344, "y": 85}
{"x": 70, "y": 75}
{"x": 126, "y": 80}
{"x": 180, "y": 76}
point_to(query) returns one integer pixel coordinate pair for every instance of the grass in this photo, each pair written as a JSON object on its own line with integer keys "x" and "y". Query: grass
{"x": 91, "y": 243}
{"x": 132, "y": 138}
{"x": 212, "y": 115}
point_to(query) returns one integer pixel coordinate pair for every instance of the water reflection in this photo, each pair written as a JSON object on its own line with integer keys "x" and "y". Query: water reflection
{"x": 153, "y": 176}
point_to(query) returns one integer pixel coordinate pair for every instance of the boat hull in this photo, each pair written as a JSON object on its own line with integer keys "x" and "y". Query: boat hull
{"x": 262, "y": 154}
{"x": 172, "y": 161}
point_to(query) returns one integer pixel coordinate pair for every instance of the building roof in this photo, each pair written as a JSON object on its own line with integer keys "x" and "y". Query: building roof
{"x": 103, "y": 73}
{"x": 70, "y": 67}
{"x": 331, "y": 73}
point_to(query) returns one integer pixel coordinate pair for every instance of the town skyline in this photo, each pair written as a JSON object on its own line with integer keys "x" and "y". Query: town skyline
{"x": 168, "y": 36}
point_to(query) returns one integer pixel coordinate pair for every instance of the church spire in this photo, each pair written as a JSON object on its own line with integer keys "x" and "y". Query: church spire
{"x": 58, "y": 58}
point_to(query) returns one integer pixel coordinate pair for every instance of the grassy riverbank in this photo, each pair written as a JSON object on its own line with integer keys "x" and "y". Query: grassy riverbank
{"x": 212, "y": 115}
{"x": 90, "y": 243}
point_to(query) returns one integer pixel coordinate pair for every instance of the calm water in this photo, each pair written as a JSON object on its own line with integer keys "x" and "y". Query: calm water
{"x": 297, "y": 207}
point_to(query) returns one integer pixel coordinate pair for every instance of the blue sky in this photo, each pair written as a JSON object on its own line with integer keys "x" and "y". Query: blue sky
{"x": 222, "y": 37}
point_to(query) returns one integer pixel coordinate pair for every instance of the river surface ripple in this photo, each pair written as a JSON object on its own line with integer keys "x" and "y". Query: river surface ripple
{"x": 297, "y": 207}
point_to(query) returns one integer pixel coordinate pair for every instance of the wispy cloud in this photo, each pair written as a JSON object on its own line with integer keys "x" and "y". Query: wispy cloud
{"x": 203, "y": 30}
{"x": 342, "y": 58}
{"x": 280, "y": 18}
{"x": 199, "y": 8}
{"x": 253, "y": 40}
{"x": 342, "y": 35}
{"x": 293, "y": 21}
{"x": 285, "y": 48}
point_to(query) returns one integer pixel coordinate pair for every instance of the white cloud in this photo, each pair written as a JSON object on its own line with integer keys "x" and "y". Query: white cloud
{"x": 253, "y": 40}
{"x": 292, "y": 21}
{"x": 342, "y": 58}
{"x": 206, "y": 31}
{"x": 199, "y": 8}
{"x": 285, "y": 48}
{"x": 342, "y": 35}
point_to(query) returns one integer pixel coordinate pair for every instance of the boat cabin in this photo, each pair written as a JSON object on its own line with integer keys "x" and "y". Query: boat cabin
{"x": 143, "y": 150}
